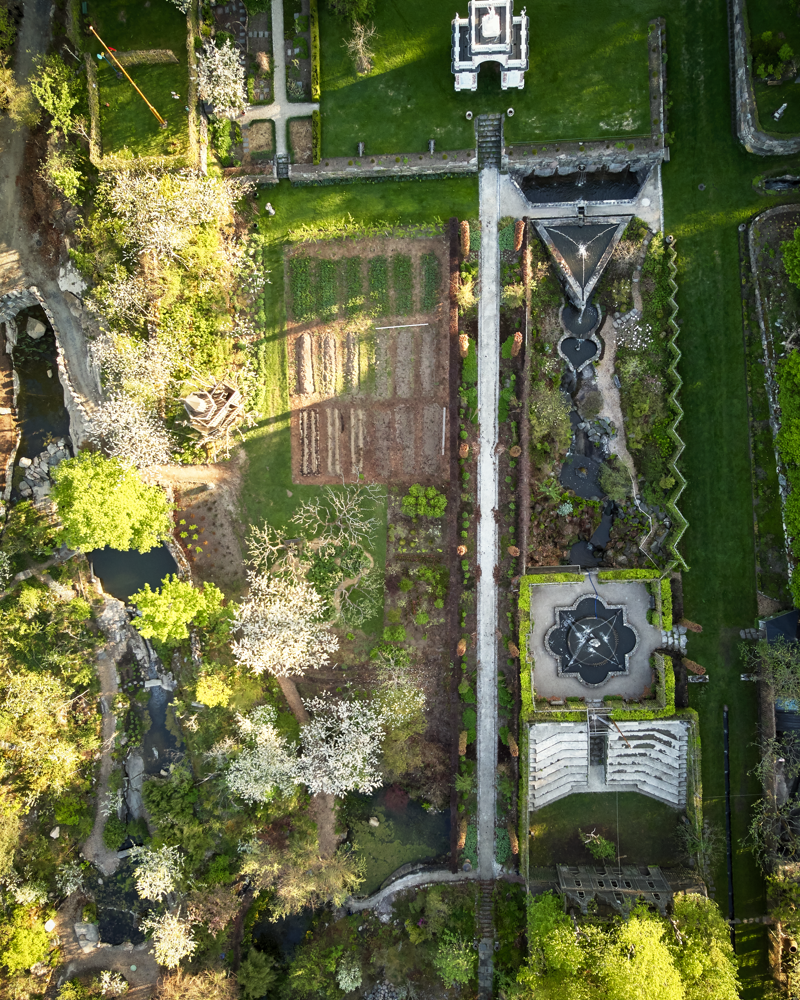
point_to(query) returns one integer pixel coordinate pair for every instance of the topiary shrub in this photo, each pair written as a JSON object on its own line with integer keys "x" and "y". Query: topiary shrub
{"x": 424, "y": 501}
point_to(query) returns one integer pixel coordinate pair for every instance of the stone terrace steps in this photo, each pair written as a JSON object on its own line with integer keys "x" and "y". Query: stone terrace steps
{"x": 485, "y": 929}
{"x": 489, "y": 140}
{"x": 282, "y": 166}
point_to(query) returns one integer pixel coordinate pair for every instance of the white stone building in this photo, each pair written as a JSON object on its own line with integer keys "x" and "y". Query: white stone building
{"x": 490, "y": 33}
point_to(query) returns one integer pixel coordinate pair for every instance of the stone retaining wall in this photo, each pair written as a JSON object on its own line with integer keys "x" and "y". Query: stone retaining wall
{"x": 748, "y": 127}
{"x": 79, "y": 418}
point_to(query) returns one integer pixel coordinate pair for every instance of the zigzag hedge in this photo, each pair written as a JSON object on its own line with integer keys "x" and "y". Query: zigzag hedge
{"x": 679, "y": 522}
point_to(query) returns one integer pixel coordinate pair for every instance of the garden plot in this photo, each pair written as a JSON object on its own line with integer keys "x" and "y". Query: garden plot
{"x": 368, "y": 354}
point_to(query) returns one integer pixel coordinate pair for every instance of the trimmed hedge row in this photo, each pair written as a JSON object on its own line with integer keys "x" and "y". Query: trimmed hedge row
{"x": 316, "y": 136}
{"x": 525, "y": 685}
{"x": 553, "y": 578}
{"x": 628, "y": 574}
{"x": 315, "y": 73}
{"x": 679, "y": 522}
{"x": 666, "y": 605}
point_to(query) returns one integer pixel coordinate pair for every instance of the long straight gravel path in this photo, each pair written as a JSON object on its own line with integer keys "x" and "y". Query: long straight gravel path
{"x": 488, "y": 393}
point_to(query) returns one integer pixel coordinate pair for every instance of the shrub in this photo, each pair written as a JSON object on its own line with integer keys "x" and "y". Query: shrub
{"x": 615, "y": 481}
{"x": 115, "y": 832}
{"x": 666, "y": 605}
{"x": 26, "y": 942}
{"x": 316, "y": 128}
{"x": 316, "y": 89}
{"x": 424, "y": 501}
{"x": 455, "y": 959}
{"x": 394, "y": 633}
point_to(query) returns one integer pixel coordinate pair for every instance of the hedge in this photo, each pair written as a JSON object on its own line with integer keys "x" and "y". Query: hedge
{"x": 553, "y": 578}
{"x": 316, "y": 136}
{"x": 647, "y": 714}
{"x": 315, "y": 74}
{"x": 629, "y": 574}
{"x": 666, "y": 605}
{"x": 525, "y": 686}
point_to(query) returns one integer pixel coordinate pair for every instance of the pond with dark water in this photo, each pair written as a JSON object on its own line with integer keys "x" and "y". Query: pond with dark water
{"x": 123, "y": 573}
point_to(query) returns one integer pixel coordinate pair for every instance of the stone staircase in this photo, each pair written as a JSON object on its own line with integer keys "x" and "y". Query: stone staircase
{"x": 485, "y": 932}
{"x": 598, "y": 737}
{"x": 651, "y": 758}
{"x": 489, "y": 140}
{"x": 559, "y": 760}
{"x": 282, "y": 166}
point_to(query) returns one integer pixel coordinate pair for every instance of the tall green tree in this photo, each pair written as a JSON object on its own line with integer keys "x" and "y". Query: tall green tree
{"x": 102, "y": 502}
{"x": 167, "y": 612}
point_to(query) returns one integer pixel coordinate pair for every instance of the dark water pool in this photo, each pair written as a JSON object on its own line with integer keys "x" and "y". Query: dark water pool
{"x": 282, "y": 935}
{"x": 123, "y": 573}
{"x": 160, "y": 747}
{"x": 578, "y": 351}
{"x": 602, "y": 185}
{"x": 40, "y": 402}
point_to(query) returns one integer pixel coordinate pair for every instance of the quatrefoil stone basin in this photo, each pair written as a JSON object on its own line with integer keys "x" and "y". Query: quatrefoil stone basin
{"x": 591, "y": 640}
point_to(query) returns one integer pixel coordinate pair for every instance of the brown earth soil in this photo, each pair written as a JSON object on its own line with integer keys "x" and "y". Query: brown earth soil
{"x": 300, "y": 140}
{"x": 260, "y": 134}
{"x": 217, "y": 515}
{"x": 367, "y": 401}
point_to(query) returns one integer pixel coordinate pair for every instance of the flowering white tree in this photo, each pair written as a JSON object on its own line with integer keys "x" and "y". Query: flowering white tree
{"x": 142, "y": 371}
{"x": 70, "y": 877}
{"x": 265, "y": 763}
{"x": 160, "y": 211}
{"x": 121, "y": 297}
{"x": 341, "y": 515}
{"x": 341, "y": 747}
{"x": 283, "y": 627}
{"x": 157, "y": 872}
{"x": 172, "y": 938}
{"x": 124, "y": 429}
{"x": 220, "y": 79}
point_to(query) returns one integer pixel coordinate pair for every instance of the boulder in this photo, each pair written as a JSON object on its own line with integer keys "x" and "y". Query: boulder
{"x": 55, "y": 833}
{"x": 24, "y": 463}
{"x": 35, "y": 329}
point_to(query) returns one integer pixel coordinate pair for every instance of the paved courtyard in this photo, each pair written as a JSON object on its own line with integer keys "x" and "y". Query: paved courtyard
{"x": 633, "y": 596}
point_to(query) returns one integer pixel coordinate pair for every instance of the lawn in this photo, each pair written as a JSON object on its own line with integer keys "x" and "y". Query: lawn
{"x": 129, "y": 124}
{"x": 644, "y": 829}
{"x": 780, "y": 17}
{"x": 588, "y": 78}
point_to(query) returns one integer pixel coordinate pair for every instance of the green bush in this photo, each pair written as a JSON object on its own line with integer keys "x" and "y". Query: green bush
{"x": 666, "y": 605}
{"x": 394, "y": 633}
{"x": 115, "y": 832}
{"x": 628, "y": 574}
{"x": 536, "y": 578}
{"x": 424, "y": 501}
{"x": 316, "y": 134}
{"x": 257, "y": 975}
{"x": 25, "y": 941}
{"x": 316, "y": 89}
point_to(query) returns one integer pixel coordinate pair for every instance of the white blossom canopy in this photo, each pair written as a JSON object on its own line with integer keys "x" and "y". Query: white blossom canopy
{"x": 283, "y": 627}
{"x": 220, "y": 79}
{"x": 341, "y": 747}
{"x": 265, "y": 762}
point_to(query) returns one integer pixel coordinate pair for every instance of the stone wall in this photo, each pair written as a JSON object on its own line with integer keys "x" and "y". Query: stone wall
{"x": 10, "y": 306}
{"x": 748, "y": 127}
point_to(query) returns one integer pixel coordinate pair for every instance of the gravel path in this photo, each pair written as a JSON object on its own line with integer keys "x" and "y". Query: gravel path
{"x": 612, "y": 408}
{"x": 281, "y": 109}
{"x": 488, "y": 392}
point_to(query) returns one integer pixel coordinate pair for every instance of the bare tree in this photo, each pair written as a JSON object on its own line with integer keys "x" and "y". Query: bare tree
{"x": 359, "y": 47}
{"x": 341, "y": 515}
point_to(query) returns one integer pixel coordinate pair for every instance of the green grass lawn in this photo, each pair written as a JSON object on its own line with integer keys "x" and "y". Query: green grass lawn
{"x": 129, "y": 123}
{"x": 643, "y": 828}
{"x": 778, "y": 16}
{"x": 125, "y": 27}
{"x": 588, "y": 78}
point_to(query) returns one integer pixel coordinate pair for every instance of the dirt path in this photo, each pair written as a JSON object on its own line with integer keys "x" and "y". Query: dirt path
{"x": 21, "y": 263}
{"x": 113, "y": 621}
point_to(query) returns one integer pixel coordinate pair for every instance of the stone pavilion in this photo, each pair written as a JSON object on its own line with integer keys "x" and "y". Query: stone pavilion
{"x": 490, "y": 33}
